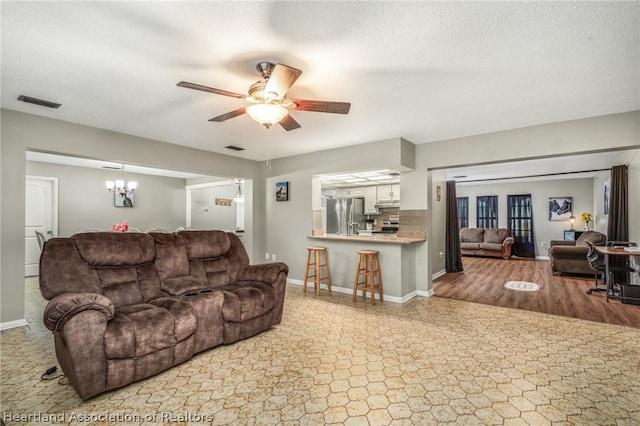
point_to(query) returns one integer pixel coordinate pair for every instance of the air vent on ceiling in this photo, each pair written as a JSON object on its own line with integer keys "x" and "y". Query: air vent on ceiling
{"x": 234, "y": 148}
{"x": 112, "y": 167}
{"x": 36, "y": 101}
{"x": 460, "y": 177}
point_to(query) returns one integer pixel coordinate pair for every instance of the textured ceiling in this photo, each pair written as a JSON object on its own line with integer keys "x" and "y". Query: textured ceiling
{"x": 424, "y": 71}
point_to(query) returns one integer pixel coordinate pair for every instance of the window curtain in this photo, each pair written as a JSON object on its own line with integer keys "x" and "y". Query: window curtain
{"x": 618, "y": 224}
{"x": 520, "y": 220}
{"x": 453, "y": 258}
{"x": 487, "y": 211}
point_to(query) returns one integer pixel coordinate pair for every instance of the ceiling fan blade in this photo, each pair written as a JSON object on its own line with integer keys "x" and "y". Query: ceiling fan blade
{"x": 232, "y": 114}
{"x": 322, "y": 106}
{"x": 210, "y": 89}
{"x": 288, "y": 123}
{"x": 282, "y": 78}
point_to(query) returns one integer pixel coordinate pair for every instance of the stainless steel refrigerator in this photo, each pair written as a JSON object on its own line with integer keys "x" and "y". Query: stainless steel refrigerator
{"x": 341, "y": 211}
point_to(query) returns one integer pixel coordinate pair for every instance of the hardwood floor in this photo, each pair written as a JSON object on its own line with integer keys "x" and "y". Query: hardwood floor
{"x": 483, "y": 281}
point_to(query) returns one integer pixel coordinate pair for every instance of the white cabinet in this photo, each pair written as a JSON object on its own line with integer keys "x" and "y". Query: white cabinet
{"x": 370, "y": 200}
{"x": 388, "y": 193}
{"x": 350, "y": 192}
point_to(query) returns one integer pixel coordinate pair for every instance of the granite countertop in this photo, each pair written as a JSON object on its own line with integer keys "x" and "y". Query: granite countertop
{"x": 376, "y": 238}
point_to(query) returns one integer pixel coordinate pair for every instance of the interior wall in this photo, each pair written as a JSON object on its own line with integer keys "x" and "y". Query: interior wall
{"x": 21, "y": 132}
{"x": 206, "y": 214}
{"x": 581, "y": 190}
{"x": 437, "y": 229}
{"x": 600, "y": 220}
{"x": 634, "y": 199}
{"x": 84, "y": 202}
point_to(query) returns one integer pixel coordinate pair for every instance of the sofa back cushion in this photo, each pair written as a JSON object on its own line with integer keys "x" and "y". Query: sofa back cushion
{"x": 471, "y": 235}
{"x": 117, "y": 265}
{"x": 596, "y": 238}
{"x": 214, "y": 256}
{"x": 496, "y": 235}
{"x": 172, "y": 259}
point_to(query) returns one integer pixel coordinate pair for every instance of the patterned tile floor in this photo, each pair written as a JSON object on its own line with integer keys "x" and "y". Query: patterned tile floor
{"x": 430, "y": 361}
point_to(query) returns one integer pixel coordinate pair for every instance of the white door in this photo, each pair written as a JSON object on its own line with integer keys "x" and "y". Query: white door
{"x": 40, "y": 215}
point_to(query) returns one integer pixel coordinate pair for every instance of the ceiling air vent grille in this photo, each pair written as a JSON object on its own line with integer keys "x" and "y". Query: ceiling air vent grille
{"x": 234, "y": 148}
{"x": 36, "y": 101}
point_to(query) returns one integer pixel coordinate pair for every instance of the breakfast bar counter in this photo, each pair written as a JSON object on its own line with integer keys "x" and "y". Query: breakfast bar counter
{"x": 377, "y": 238}
{"x": 398, "y": 262}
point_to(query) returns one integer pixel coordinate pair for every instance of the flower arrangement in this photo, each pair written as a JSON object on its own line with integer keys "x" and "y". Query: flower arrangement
{"x": 124, "y": 226}
{"x": 586, "y": 218}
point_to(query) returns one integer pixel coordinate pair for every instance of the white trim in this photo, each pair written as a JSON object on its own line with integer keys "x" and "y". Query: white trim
{"x": 542, "y": 257}
{"x": 13, "y": 324}
{"x": 345, "y": 290}
{"x": 427, "y": 293}
{"x": 211, "y": 184}
{"x": 438, "y": 274}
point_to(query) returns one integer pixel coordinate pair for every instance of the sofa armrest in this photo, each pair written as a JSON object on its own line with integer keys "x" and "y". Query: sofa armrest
{"x": 63, "y": 307}
{"x": 553, "y": 243}
{"x": 266, "y": 272}
{"x": 508, "y": 241}
{"x": 568, "y": 251}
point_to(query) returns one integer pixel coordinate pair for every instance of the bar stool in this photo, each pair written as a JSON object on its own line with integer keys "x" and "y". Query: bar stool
{"x": 369, "y": 272}
{"x": 314, "y": 252}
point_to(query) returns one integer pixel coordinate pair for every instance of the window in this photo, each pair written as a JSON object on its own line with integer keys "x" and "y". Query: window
{"x": 520, "y": 218}
{"x": 463, "y": 212}
{"x": 487, "y": 211}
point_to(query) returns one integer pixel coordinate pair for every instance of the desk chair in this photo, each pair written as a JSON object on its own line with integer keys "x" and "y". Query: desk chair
{"x": 598, "y": 269}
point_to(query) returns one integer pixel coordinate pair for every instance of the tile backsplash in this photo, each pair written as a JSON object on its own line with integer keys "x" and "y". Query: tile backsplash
{"x": 413, "y": 224}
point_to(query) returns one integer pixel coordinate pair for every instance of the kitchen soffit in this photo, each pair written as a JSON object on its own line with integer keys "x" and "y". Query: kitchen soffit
{"x": 345, "y": 180}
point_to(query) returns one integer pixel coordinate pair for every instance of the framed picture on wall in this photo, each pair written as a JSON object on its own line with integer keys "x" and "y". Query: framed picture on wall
{"x": 607, "y": 195}
{"x": 123, "y": 198}
{"x": 560, "y": 208}
{"x": 282, "y": 191}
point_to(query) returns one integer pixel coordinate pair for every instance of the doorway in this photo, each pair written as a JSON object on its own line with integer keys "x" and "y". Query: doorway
{"x": 41, "y": 214}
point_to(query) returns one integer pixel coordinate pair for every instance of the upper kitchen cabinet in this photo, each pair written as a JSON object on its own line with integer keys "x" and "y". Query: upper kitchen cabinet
{"x": 388, "y": 193}
{"x": 350, "y": 192}
{"x": 370, "y": 200}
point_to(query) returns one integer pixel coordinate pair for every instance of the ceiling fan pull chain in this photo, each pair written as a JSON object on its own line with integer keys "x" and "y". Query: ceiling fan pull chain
{"x": 268, "y": 150}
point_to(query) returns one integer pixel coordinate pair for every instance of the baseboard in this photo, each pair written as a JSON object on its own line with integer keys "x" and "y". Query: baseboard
{"x": 542, "y": 257}
{"x": 438, "y": 274}
{"x": 349, "y": 290}
{"x": 13, "y": 324}
{"x": 427, "y": 293}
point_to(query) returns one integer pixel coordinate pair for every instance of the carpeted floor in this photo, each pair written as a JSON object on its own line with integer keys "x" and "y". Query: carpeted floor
{"x": 429, "y": 361}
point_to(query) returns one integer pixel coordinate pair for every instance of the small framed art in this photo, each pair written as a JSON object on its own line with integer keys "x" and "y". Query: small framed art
{"x": 282, "y": 191}
{"x": 560, "y": 208}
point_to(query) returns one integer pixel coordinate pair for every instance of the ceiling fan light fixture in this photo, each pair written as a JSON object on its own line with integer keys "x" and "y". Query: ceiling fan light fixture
{"x": 267, "y": 114}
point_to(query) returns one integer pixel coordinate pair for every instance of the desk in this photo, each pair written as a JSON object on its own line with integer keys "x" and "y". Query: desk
{"x": 610, "y": 251}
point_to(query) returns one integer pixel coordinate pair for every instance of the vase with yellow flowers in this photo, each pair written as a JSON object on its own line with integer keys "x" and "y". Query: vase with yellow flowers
{"x": 586, "y": 218}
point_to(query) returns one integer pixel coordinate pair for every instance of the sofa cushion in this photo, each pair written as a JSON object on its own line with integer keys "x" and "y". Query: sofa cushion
{"x": 496, "y": 236}
{"x": 491, "y": 246}
{"x": 470, "y": 246}
{"x": 246, "y": 300}
{"x": 596, "y": 238}
{"x": 100, "y": 249}
{"x": 471, "y": 235}
{"x": 181, "y": 285}
{"x": 171, "y": 255}
{"x": 144, "y": 328}
{"x": 206, "y": 244}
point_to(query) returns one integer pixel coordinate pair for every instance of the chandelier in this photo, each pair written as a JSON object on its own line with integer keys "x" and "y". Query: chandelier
{"x": 239, "y": 198}
{"x": 119, "y": 185}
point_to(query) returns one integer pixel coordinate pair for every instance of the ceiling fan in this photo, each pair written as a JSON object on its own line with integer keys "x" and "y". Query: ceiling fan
{"x": 269, "y": 104}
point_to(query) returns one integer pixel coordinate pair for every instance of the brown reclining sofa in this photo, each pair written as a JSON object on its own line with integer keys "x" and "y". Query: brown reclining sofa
{"x": 124, "y": 306}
